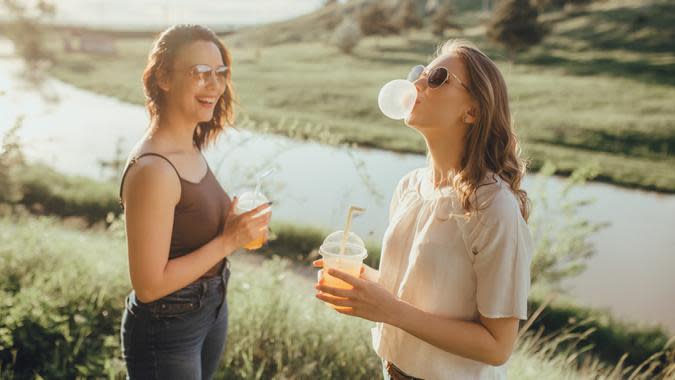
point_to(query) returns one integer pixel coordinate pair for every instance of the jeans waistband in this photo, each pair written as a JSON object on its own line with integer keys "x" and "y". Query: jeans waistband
{"x": 216, "y": 270}
{"x": 187, "y": 298}
{"x": 207, "y": 284}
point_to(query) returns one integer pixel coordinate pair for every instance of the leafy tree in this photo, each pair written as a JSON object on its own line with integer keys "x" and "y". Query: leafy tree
{"x": 515, "y": 25}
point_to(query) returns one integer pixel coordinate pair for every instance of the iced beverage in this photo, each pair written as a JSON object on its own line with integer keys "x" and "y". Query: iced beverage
{"x": 248, "y": 201}
{"x": 348, "y": 259}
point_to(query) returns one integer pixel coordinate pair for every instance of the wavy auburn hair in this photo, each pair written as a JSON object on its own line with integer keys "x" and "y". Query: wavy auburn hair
{"x": 160, "y": 61}
{"x": 491, "y": 144}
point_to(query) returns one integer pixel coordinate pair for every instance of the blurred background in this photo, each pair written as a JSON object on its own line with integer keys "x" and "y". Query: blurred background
{"x": 592, "y": 92}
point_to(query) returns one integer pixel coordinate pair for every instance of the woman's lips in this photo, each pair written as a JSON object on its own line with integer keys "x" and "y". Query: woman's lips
{"x": 207, "y": 102}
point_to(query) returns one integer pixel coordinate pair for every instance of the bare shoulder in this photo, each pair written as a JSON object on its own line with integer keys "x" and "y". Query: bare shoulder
{"x": 151, "y": 177}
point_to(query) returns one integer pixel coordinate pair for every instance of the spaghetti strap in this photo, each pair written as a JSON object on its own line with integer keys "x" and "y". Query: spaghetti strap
{"x": 132, "y": 162}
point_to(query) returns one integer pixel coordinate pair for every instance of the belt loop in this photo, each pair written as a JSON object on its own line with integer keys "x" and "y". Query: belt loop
{"x": 224, "y": 270}
{"x": 223, "y": 281}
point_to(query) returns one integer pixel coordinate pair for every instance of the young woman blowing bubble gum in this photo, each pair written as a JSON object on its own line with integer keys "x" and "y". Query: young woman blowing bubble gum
{"x": 454, "y": 272}
{"x": 180, "y": 223}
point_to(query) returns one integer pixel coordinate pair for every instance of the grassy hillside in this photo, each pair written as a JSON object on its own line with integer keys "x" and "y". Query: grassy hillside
{"x": 599, "y": 88}
{"x": 64, "y": 290}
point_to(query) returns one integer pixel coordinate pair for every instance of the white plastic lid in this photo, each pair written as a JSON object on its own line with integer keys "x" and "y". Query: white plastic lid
{"x": 249, "y": 200}
{"x": 354, "y": 246}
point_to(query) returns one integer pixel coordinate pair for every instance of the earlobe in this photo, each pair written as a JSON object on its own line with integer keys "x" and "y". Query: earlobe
{"x": 163, "y": 81}
{"x": 470, "y": 116}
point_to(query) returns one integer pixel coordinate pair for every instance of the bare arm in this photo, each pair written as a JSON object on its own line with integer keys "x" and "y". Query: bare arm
{"x": 151, "y": 192}
{"x": 489, "y": 340}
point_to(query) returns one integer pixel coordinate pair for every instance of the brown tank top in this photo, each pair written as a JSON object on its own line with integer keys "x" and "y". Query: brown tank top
{"x": 198, "y": 217}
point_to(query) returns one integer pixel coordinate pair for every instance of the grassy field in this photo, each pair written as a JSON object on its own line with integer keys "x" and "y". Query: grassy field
{"x": 599, "y": 89}
{"x": 64, "y": 290}
{"x": 561, "y": 252}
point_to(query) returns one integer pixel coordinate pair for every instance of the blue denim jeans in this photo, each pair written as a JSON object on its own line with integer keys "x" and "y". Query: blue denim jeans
{"x": 179, "y": 336}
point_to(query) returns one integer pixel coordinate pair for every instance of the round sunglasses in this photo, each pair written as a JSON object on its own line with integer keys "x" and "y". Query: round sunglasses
{"x": 435, "y": 78}
{"x": 201, "y": 74}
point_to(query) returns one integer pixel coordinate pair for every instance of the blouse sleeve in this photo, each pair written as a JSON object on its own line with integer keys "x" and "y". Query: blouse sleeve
{"x": 502, "y": 252}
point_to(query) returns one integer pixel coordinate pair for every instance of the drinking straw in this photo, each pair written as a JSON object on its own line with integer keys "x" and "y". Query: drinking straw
{"x": 348, "y": 226}
{"x": 259, "y": 183}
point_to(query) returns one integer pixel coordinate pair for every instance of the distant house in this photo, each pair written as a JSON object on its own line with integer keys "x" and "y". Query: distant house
{"x": 90, "y": 42}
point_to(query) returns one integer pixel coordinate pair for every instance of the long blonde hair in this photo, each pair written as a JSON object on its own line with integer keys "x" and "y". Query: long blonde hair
{"x": 491, "y": 144}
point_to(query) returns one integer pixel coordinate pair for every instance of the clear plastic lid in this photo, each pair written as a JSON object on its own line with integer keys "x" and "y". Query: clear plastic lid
{"x": 354, "y": 246}
{"x": 250, "y": 200}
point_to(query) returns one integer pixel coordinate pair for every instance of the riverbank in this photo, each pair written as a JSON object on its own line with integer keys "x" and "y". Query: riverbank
{"x": 82, "y": 130}
{"x": 580, "y": 97}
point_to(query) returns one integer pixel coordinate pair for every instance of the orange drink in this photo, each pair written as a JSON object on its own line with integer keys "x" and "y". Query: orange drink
{"x": 345, "y": 254}
{"x": 248, "y": 201}
{"x": 255, "y": 244}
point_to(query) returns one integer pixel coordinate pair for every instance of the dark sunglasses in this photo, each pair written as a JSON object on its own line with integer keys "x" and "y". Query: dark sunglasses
{"x": 435, "y": 78}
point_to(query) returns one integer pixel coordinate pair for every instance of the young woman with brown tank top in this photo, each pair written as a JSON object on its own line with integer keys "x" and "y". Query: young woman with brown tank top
{"x": 180, "y": 223}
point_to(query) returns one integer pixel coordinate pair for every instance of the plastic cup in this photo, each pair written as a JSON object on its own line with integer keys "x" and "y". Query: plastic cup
{"x": 248, "y": 201}
{"x": 350, "y": 261}
{"x": 397, "y": 99}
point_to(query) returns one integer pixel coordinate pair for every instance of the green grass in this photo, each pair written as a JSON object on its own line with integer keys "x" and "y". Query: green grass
{"x": 63, "y": 289}
{"x": 598, "y": 89}
{"x": 558, "y": 255}
{"x": 46, "y": 191}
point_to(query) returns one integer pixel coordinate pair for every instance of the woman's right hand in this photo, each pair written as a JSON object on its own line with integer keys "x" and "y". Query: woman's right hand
{"x": 242, "y": 229}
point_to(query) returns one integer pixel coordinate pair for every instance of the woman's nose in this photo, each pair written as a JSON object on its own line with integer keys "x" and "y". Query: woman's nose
{"x": 420, "y": 84}
{"x": 211, "y": 81}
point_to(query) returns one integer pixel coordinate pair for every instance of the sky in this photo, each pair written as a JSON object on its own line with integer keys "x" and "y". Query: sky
{"x": 135, "y": 13}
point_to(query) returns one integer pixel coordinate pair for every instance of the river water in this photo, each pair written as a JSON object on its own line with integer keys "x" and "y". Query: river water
{"x": 71, "y": 130}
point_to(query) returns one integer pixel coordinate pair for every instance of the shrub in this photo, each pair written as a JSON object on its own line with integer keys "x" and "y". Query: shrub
{"x": 515, "y": 26}
{"x": 347, "y": 35}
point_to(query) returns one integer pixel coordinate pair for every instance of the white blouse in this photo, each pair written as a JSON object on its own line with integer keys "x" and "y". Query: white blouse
{"x": 443, "y": 263}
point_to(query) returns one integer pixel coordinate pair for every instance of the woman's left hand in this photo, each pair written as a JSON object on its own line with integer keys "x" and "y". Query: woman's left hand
{"x": 367, "y": 299}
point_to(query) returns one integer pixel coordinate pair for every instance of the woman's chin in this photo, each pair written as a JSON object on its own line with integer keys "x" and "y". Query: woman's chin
{"x": 203, "y": 117}
{"x": 412, "y": 122}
